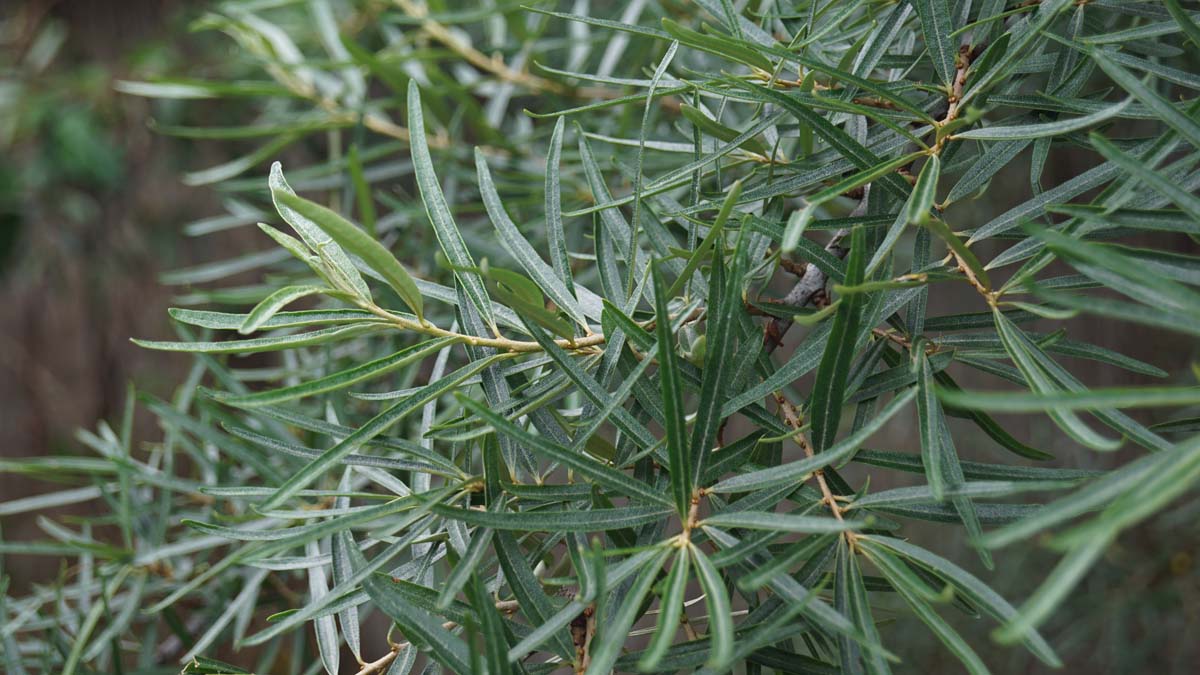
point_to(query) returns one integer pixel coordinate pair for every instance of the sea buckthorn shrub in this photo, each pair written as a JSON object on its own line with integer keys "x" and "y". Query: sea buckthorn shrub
{"x": 577, "y": 330}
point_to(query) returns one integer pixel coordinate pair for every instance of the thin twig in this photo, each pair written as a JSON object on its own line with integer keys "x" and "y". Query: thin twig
{"x": 792, "y": 417}
{"x": 492, "y": 64}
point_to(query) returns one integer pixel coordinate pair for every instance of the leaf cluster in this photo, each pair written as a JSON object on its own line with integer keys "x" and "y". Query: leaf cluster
{"x": 534, "y": 405}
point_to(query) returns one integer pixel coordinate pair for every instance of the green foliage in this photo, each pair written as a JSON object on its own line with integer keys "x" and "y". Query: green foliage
{"x": 525, "y": 470}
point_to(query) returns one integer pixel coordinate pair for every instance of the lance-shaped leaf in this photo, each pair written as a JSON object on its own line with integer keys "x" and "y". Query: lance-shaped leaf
{"x": 972, "y": 589}
{"x": 527, "y": 589}
{"x": 935, "y": 18}
{"x": 1187, "y": 201}
{"x": 670, "y": 609}
{"x": 554, "y": 218}
{"x": 1046, "y": 129}
{"x": 1178, "y": 472}
{"x": 354, "y": 240}
{"x": 720, "y": 45}
{"x": 601, "y": 474}
{"x": 825, "y": 406}
{"x": 342, "y": 379}
{"x": 1163, "y": 109}
{"x": 800, "y": 470}
{"x": 594, "y": 520}
{"x": 470, "y": 561}
{"x": 438, "y": 210}
{"x": 780, "y": 522}
{"x": 720, "y": 622}
{"x": 850, "y": 598}
{"x": 1090, "y": 399}
{"x": 613, "y": 632}
{"x": 314, "y": 236}
{"x": 274, "y": 302}
{"x": 916, "y": 593}
{"x": 1112, "y": 267}
{"x": 1021, "y": 349}
{"x": 924, "y": 192}
{"x": 672, "y": 397}
{"x": 1187, "y": 23}
{"x": 374, "y": 427}
{"x": 266, "y": 344}
{"x": 419, "y": 626}
{"x": 929, "y": 418}
{"x": 724, "y": 303}
{"x": 713, "y": 128}
{"x": 714, "y": 241}
{"x": 520, "y": 248}
{"x": 328, "y": 642}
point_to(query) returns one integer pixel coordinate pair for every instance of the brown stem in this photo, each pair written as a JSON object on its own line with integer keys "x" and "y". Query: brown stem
{"x": 792, "y": 417}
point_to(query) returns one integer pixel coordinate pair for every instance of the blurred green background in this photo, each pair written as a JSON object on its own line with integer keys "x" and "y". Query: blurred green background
{"x": 91, "y": 209}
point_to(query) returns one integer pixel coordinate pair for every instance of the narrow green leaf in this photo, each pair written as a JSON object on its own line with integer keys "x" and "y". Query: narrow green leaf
{"x": 1094, "y": 495}
{"x": 994, "y": 158}
{"x": 230, "y": 321}
{"x": 1054, "y": 589}
{"x": 975, "y": 490}
{"x": 850, "y": 598}
{"x": 419, "y": 626}
{"x": 924, "y": 192}
{"x": 611, "y": 637}
{"x": 670, "y": 609}
{"x": 672, "y": 396}
{"x": 1187, "y": 127}
{"x": 780, "y": 522}
{"x": 265, "y": 344}
{"x": 328, "y": 642}
{"x": 713, "y": 128}
{"x": 342, "y": 379}
{"x": 601, "y": 474}
{"x": 274, "y": 302}
{"x": 915, "y": 592}
{"x": 515, "y": 243}
{"x": 1186, "y": 24}
{"x": 974, "y": 590}
{"x": 439, "y": 214}
{"x": 929, "y": 418}
{"x": 1114, "y": 268}
{"x": 1020, "y": 349}
{"x": 374, "y": 427}
{"x": 825, "y": 406}
{"x": 352, "y": 239}
{"x": 1187, "y": 201}
{"x": 315, "y": 237}
{"x": 1090, "y": 399}
{"x": 594, "y": 520}
{"x": 1055, "y": 128}
{"x": 734, "y": 50}
{"x": 720, "y": 621}
{"x": 527, "y": 589}
{"x": 464, "y": 571}
{"x": 494, "y": 632}
{"x": 724, "y": 304}
{"x": 554, "y": 217}
{"x": 935, "y": 18}
{"x": 714, "y": 240}
{"x": 800, "y": 470}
